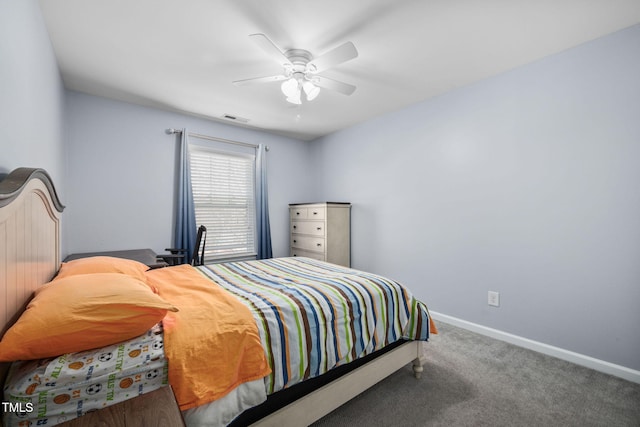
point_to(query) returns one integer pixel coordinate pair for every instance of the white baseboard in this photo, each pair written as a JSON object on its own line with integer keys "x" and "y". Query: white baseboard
{"x": 569, "y": 356}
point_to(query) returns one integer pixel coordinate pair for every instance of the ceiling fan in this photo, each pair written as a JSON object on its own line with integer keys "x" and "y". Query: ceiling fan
{"x": 301, "y": 70}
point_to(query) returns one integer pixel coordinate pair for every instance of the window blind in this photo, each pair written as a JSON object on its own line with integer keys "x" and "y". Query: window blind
{"x": 224, "y": 197}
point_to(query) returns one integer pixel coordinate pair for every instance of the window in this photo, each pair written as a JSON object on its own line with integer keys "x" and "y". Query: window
{"x": 223, "y": 185}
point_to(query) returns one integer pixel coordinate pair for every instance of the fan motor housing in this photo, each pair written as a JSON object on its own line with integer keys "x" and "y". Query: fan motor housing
{"x": 298, "y": 56}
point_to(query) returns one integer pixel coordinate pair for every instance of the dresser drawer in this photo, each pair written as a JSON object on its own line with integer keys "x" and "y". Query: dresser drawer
{"x": 299, "y": 213}
{"x": 314, "y": 228}
{"x": 313, "y": 212}
{"x": 308, "y": 243}
{"x": 316, "y": 212}
{"x": 314, "y": 255}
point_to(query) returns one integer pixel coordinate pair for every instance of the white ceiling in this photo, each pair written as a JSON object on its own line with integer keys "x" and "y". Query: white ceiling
{"x": 182, "y": 55}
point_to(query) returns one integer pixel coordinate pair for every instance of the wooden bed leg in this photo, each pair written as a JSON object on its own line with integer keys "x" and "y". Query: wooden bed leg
{"x": 419, "y": 360}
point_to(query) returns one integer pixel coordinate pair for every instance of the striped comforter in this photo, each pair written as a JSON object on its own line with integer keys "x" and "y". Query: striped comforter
{"x": 313, "y": 316}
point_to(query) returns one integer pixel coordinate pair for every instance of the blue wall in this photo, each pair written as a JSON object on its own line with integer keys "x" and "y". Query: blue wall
{"x": 527, "y": 184}
{"x": 31, "y": 93}
{"x": 122, "y": 167}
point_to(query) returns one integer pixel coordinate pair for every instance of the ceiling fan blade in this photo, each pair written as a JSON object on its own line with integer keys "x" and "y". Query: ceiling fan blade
{"x": 271, "y": 49}
{"x": 340, "y": 54}
{"x": 267, "y": 79}
{"x": 327, "y": 83}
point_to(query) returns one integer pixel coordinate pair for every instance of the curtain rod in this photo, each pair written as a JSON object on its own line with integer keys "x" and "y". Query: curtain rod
{"x": 171, "y": 131}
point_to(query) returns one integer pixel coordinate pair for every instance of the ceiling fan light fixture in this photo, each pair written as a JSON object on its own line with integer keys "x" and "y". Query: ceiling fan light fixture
{"x": 289, "y": 87}
{"x": 310, "y": 90}
{"x": 296, "y": 101}
{"x": 296, "y": 98}
{"x": 301, "y": 68}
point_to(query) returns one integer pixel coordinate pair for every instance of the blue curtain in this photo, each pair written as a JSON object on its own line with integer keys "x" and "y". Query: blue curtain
{"x": 185, "y": 227}
{"x": 263, "y": 230}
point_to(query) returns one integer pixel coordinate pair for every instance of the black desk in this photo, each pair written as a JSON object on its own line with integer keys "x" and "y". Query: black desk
{"x": 145, "y": 256}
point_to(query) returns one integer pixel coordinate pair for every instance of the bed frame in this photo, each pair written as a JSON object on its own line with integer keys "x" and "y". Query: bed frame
{"x": 30, "y": 256}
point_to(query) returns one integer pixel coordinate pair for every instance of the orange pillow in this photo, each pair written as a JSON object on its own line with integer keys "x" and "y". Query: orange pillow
{"x": 80, "y": 313}
{"x": 102, "y": 264}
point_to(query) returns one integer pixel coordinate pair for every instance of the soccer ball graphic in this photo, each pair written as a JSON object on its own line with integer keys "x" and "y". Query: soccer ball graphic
{"x": 105, "y": 357}
{"x": 94, "y": 388}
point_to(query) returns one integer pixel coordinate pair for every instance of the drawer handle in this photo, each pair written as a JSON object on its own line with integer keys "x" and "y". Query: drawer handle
{"x": 294, "y": 227}
{"x": 297, "y": 213}
{"x": 318, "y": 228}
{"x": 315, "y": 213}
{"x": 295, "y": 241}
{"x": 319, "y": 244}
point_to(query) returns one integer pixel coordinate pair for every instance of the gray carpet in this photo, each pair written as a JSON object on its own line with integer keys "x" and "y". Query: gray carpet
{"x": 473, "y": 380}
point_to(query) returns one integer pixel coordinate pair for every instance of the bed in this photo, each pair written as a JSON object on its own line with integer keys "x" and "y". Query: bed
{"x": 282, "y": 366}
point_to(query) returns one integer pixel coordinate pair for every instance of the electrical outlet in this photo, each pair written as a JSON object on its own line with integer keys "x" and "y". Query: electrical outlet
{"x": 494, "y": 298}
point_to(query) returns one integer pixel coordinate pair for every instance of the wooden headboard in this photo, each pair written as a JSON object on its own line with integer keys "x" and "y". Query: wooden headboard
{"x": 29, "y": 239}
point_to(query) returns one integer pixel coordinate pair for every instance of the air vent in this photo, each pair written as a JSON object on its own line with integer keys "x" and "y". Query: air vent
{"x": 235, "y": 118}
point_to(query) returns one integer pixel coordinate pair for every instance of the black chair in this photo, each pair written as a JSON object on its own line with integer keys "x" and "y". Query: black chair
{"x": 179, "y": 256}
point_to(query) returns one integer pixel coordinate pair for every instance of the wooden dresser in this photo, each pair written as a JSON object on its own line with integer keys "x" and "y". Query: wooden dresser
{"x": 321, "y": 231}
